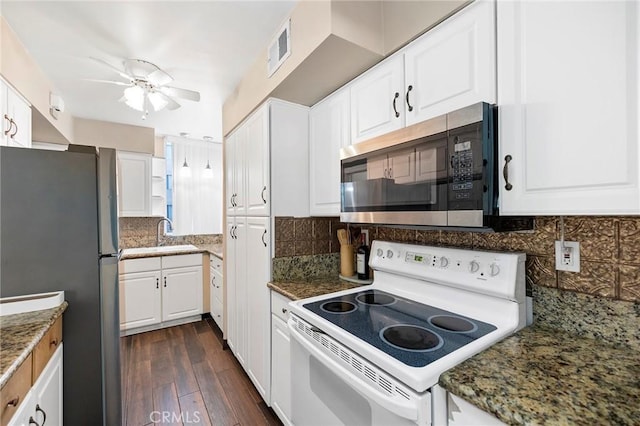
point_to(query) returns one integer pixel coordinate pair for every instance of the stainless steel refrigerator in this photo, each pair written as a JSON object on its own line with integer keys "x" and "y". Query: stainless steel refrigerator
{"x": 59, "y": 231}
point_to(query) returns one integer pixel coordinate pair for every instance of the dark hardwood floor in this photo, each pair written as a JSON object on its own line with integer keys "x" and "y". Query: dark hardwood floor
{"x": 181, "y": 375}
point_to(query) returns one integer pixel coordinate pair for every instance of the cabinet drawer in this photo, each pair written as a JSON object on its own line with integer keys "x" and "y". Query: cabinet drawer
{"x": 45, "y": 349}
{"x": 14, "y": 391}
{"x": 215, "y": 262}
{"x": 216, "y": 284}
{"x": 280, "y": 306}
{"x": 216, "y": 312}
{"x": 182, "y": 260}
{"x": 140, "y": 265}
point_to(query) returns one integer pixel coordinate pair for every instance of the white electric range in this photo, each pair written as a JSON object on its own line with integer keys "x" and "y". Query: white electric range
{"x": 373, "y": 355}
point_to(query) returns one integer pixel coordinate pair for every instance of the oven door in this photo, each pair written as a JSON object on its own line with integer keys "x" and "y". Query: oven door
{"x": 326, "y": 391}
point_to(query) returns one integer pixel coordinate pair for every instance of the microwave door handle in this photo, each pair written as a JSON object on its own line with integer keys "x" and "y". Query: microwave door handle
{"x": 403, "y": 409}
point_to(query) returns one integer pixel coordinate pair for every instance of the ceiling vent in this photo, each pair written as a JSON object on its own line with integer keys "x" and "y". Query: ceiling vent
{"x": 279, "y": 49}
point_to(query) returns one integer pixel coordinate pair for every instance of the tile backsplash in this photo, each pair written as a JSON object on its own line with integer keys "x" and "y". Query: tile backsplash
{"x": 609, "y": 248}
{"x": 141, "y": 232}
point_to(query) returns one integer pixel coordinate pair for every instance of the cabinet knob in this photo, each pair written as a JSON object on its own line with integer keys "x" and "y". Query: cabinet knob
{"x": 284, "y": 310}
{"x": 54, "y": 342}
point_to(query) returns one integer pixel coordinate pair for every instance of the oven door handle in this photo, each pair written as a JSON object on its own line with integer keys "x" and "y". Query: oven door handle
{"x": 407, "y": 409}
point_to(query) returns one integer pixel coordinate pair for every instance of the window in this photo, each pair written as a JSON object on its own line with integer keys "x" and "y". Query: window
{"x": 194, "y": 192}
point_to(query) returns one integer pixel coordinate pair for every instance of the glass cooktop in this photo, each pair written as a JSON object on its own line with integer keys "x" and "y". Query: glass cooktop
{"x": 411, "y": 332}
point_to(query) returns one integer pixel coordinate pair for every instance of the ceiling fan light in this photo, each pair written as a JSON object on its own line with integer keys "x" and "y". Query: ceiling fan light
{"x": 134, "y": 97}
{"x": 157, "y": 101}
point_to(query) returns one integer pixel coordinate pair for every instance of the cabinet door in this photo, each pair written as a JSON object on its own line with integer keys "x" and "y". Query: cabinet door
{"x": 140, "y": 299}
{"x": 20, "y": 111}
{"x": 280, "y": 370}
{"x": 378, "y": 167}
{"x": 402, "y": 166}
{"x": 231, "y": 261}
{"x": 48, "y": 391}
{"x": 181, "y": 292}
{"x": 235, "y": 173}
{"x": 453, "y": 65}
{"x": 377, "y": 101}
{"x": 258, "y": 308}
{"x": 570, "y": 128}
{"x": 329, "y": 132}
{"x": 134, "y": 184}
{"x": 258, "y": 162}
{"x": 4, "y": 114}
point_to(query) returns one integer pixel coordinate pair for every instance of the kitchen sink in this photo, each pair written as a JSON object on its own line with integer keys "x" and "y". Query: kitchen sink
{"x": 30, "y": 303}
{"x": 159, "y": 249}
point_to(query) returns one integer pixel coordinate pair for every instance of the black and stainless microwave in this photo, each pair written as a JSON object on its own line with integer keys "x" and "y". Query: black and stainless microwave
{"x": 442, "y": 172}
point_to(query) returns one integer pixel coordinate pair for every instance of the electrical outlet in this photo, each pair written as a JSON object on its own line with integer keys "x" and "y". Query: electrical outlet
{"x": 568, "y": 256}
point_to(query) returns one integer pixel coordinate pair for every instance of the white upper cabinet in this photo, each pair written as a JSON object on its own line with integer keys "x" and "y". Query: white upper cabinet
{"x": 452, "y": 66}
{"x": 134, "y": 184}
{"x": 15, "y": 113}
{"x": 329, "y": 129}
{"x": 235, "y": 173}
{"x": 257, "y": 162}
{"x": 377, "y": 103}
{"x": 568, "y": 107}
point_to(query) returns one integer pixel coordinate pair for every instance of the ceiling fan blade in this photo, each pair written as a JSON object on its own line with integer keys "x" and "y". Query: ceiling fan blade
{"x": 122, "y": 73}
{"x": 118, "y": 83}
{"x": 159, "y": 78}
{"x": 171, "y": 103}
{"x": 177, "y": 92}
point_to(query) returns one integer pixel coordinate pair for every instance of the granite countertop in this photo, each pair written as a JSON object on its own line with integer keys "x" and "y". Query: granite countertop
{"x": 549, "y": 376}
{"x": 214, "y": 249}
{"x": 19, "y": 335}
{"x": 316, "y": 286}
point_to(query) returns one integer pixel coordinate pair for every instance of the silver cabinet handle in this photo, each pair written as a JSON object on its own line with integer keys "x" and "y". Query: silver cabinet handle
{"x": 505, "y": 173}
{"x": 10, "y": 121}
{"x": 263, "y": 234}
{"x": 16, "y": 132}
{"x": 264, "y": 188}
{"x": 396, "y": 96}
{"x": 409, "y": 89}
{"x": 44, "y": 414}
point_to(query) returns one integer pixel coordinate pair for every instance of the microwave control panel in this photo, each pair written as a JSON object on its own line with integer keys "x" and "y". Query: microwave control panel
{"x": 462, "y": 170}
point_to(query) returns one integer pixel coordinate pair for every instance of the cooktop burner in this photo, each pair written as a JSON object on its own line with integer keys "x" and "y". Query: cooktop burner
{"x": 340, "y": 307}
{"x": 411, "y": 338}
{"x": 411, "y": 332}
{"x": 375, "y": 298}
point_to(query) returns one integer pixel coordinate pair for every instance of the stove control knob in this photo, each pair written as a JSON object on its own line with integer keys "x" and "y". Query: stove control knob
{"x": 474, "y": 266}
{"x": 444, "y": 262}
{"x": 495, "y": 269}
{"x": 389, "y": 254}
{"x": 380, "y": 252}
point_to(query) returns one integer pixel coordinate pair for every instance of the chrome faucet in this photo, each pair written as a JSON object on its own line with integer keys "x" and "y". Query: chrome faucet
{"x": 158, "y": 229}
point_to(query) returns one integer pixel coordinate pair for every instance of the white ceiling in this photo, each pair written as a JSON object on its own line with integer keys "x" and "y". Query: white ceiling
{"x": 205, "y": 46}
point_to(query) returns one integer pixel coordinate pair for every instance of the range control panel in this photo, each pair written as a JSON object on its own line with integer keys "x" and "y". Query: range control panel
{"x": 481, "y": 271}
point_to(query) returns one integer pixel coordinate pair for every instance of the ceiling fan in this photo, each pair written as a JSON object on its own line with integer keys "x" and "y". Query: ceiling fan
{"x": 147, "y": 86}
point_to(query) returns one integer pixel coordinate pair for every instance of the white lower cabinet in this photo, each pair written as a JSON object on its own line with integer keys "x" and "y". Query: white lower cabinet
{"x": 280, "y": 358}
{"x": 159, "y": 292}
{"x": 216, "y": 291}
{"x": 43, "y": 403}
